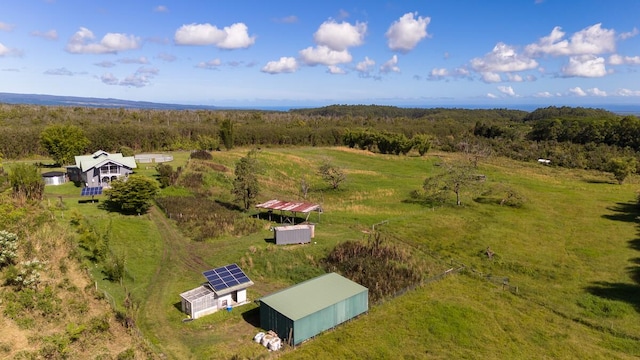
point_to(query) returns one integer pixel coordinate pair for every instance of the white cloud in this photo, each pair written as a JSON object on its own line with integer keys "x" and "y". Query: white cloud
{"x": 235, "y": 36}
{"x": 616, "y": 59}
{"x": 135, "y": 80}
{"x": 491, "y": 77}
{"x": 81, "y": 43}
{"x": 166, "y": 57}
{"x": 105, "y": 64}
{"x": 543, "y": 94}
{"x": 438, "y": 74}
{"x": 335, "y": 70}
{"x": 366, "y": 65}
{"x": 149, "y": 71}
{"x": 596, "y": 92}
{"x": 461, "y": 72}
{"x": 627, "y": 92}
{"x": 324, "y": 55}
{"x": 5, "y": 26}
{"x": 585, "y": 66}
{"x": 629, "y": 34}
{"x": 4, "y": 50}
{"x": 507, "y": 90}
{"x": 49, "y": 35}
{"x": 60, "y": 71}
{"x": 141, "y": 78}
{"x": 109, "y": 79}
{"x": 492, "y": 96}
{"x": 503, "y": 58}
{"x": 592, "y": 40}
{"x": 340, "y": 36}
{"x": 577, "y": 91}
{"x": 390, "y": 66}
{"x": 514, "y": 77}
{"x": 211, "y": 64}
{"x": 140, "y": 60}
{"x": 284, "y": 65}
{"x": 161, "y": 8}
{"x": 405, "y": 33}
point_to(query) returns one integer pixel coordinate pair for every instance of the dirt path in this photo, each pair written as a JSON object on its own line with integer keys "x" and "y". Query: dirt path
{"x": 178, "y": 253}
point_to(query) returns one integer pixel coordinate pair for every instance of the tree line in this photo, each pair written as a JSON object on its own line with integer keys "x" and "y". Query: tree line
{"x": 572, "y": 137}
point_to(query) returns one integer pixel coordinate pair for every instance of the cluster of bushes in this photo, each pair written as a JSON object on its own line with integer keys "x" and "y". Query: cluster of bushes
{"x": 386, "y": 142}
{"x": 383, "y": 269}
{"x": 201, "y": 218}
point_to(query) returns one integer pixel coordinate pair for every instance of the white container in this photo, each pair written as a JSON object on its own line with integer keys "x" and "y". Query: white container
{"x": 266, "y": 339}
{"x": 258, "y": 337}
{"x": 274, "y": 344}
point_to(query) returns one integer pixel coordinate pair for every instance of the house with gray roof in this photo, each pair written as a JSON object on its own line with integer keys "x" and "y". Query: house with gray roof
{"x": 100, "y": 168}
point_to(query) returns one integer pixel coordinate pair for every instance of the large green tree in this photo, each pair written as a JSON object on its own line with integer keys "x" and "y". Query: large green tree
{"x": 63, "y": 142}
{"x": 621, "y": 168}
{"x": 246, "y": 186}
{"x": 227, "y": 133}
{"x": 131, "y": 196}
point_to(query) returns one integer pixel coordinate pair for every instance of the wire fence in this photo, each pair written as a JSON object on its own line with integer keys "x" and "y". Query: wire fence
{"x": 455, "y": 267}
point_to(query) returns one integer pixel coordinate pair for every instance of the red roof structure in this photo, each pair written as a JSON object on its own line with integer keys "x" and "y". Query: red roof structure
{"x": 290, "y": 206}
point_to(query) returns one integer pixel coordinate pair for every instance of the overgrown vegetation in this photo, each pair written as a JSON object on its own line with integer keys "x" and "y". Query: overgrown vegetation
{"x": 382, "y": 268}
{"x": 200, "y": 218}
{"x": 26, "y": 182}
{"x": 49, "y": 307}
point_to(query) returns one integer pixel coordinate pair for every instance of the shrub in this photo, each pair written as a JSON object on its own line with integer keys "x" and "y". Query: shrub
{"x": 201, "y": 154}
{"x": 8, "y": 248}
{"x": 384, "y": 270}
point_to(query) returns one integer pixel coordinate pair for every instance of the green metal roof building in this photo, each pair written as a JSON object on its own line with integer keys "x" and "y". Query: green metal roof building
{"x": 311, "y": 307}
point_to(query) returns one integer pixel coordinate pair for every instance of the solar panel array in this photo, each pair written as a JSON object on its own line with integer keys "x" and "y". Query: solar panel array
{"x": 225, "y": 277}
{"x": 91, "y": 191}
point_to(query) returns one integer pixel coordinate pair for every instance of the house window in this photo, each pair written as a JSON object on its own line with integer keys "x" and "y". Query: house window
{"x": 108, "y": 169}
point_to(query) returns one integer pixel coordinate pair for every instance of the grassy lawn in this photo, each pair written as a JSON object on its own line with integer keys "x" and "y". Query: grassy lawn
{"x": 571, "y": 250}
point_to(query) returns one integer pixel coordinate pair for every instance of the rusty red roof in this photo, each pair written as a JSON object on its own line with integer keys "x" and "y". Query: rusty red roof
{"x": 298, "y": 206}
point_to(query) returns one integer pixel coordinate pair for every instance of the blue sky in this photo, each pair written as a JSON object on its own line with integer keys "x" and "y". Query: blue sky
{"x": 497, "y": 53}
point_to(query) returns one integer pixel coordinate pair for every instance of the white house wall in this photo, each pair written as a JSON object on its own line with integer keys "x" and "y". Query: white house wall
{"x": 241, "y": 296}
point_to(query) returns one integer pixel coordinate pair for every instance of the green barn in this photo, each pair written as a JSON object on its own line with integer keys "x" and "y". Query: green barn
{"x": 311, "y": 307}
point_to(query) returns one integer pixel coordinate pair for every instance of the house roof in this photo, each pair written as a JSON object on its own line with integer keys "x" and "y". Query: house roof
{"x": 197, "y": 293}
{"x": 298, "y": 206}
{"x": 313, "y": 295}
{"x": 99, "y": 158}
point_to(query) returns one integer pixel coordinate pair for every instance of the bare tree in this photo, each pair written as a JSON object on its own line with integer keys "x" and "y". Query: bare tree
{"x": 332, "y": 174}
{"x": 457, "y": 177}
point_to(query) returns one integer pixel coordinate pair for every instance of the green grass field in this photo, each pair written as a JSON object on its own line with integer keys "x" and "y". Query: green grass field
{"x": 572, "y": 251}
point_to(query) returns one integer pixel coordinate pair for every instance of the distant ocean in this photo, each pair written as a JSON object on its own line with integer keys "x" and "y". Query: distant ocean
{"x": 53, "y": 100}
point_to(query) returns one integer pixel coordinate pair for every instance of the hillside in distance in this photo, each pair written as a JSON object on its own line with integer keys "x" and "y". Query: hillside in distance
{"x": 53, "y": 100}
{"x": 56, "y": 100}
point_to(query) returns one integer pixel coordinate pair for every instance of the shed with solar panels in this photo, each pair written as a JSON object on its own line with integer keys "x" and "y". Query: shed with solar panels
{"x": 225, "y": 288}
